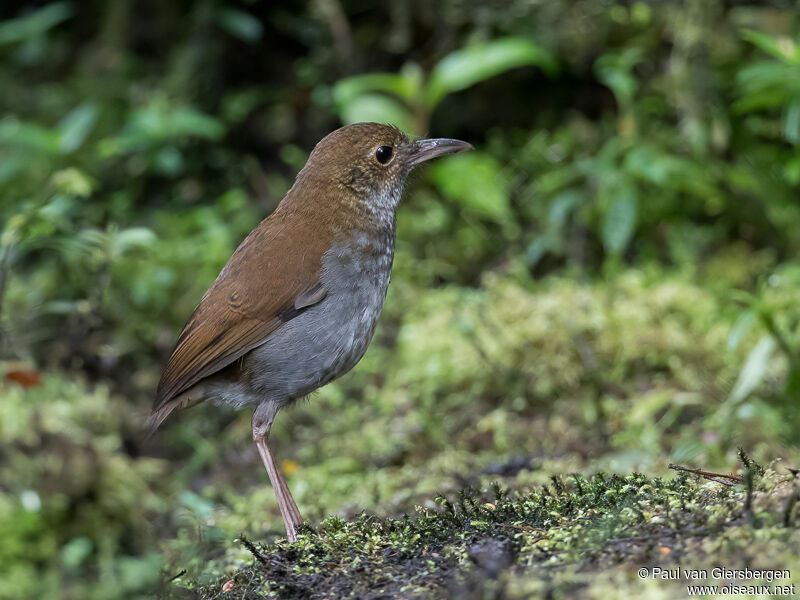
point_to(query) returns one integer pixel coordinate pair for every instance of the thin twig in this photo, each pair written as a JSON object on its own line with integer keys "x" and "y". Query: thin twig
{"x": 709, "y": 475}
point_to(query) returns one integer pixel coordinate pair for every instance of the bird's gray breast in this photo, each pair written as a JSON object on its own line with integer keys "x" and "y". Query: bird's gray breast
{"x": 326, "y": 340}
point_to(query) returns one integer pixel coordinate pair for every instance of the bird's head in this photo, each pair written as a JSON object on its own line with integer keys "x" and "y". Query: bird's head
{"x": 374, "y": 160}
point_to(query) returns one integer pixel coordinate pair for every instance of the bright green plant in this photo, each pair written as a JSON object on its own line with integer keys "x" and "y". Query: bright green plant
{"x": 408, "y": 98}
{"x": 773, "y": 310}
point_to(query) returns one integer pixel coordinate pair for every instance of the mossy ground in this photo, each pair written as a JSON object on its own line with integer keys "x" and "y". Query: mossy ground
{"x": 537, "y": 386}
{"x": 576, "y": 537}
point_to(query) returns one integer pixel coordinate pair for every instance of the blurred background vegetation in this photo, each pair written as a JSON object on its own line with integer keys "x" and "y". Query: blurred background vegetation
{"x": 610, "y": 282}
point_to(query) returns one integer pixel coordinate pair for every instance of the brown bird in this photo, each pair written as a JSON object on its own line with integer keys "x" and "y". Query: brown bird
{"x": 297, "y": 303}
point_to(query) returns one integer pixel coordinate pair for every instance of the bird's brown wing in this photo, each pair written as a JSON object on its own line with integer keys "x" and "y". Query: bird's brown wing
{"x": 270, "y": 279}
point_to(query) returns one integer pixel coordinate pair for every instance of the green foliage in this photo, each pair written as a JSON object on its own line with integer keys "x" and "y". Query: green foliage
{"x": 773, "y": 309}
{"x": 476, "y": 182}
{"x": 408, "y": 98}
{"x": 35, "y": 24}
{"x": 464, "y": 68}
{"x": 240, "y": 24}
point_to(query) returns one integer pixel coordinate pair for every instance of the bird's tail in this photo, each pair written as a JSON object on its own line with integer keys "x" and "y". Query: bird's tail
{"x": 190, "y": 397}
{"x": 156, "y": 418}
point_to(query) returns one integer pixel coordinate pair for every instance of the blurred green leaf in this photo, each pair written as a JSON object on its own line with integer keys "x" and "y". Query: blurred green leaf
{"x": 76, "y": 551}
{"x": 29, "y": 136}
{"x": 615, "y": 70}
{"x": 476, "y": 181}
{"x": 138, "y": 573}
{"x": 159, "y": 122}
{"x": 791, "y": 122}
{"x": 740, "y": 328}
{"x": 562, "y": 206}
{"x": 36, "y": 23}
{"x": 62, "y": 307}
{"x": 169, "y": 161}
{"x": 151, "y": 126}
{"x": 780, "y": 47}
{"x": 791, "y": 171}
{"x": 240, "y": 24}
{"x": 58, "y": 208}
{"x": 237, "y": 105}
{"x": 468, "y": 66}
{"x": 767, "y": 84}
{"x": 666, "y": 170}
{"x": 686, "y": 450}
{"x": 128, "y": 239}
{"x": 348, "y": 90}
{"x": 30, "y": 500}
{"x": 74, "y": 128}
{"x": 294, "y": 156}
{"x": 198, "y": 505}
{"x": 754, "y": 368}
{"x": 186, "y": 121}
{"x": 380, "y": 109}
{"x": 619, "y": 220}
{"x": 12, "y": 166}
{"x": 650, "y": 165}
{"x": 73, "y": 181}
{"x": 546, "y": 242}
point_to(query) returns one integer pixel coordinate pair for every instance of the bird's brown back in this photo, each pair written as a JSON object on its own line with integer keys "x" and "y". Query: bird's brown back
{"x": 246, "y": 302}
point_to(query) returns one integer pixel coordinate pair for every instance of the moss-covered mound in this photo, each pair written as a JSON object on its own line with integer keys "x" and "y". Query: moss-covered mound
{"x": 552, "y": 542}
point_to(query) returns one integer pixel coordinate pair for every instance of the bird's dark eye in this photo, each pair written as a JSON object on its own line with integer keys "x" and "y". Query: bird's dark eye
{"x": 383, "y": 154}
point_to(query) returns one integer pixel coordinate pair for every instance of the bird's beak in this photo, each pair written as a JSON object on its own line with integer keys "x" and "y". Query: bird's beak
{"x": 428, "y": 149}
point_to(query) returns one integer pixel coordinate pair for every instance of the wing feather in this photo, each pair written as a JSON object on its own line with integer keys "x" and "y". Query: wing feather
{"x": 256, "y": 292}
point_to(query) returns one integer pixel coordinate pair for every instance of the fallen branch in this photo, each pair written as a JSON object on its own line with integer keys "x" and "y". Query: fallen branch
{"x": 715, "y": 477}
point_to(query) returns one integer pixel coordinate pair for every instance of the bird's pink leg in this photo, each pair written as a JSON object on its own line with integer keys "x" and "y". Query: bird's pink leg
{"x": 286, "y": 504}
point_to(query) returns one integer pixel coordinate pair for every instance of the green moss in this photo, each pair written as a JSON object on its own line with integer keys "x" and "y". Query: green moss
{"x": 512, "y": 382}
{"x": 550, "y": 538}
{"x": 75, "y": 509}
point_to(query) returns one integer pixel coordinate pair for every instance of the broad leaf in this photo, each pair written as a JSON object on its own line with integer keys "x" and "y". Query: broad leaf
{"x": 754, "y": 368}
{"x": 76, "y": 126}
{"x": 615, "y": 70}
{"x": 791, "y": 122}
{"x": 476, "y": 181}
{"x": 29, "y": 136}
{"x": 34, "y": 24}
{"x": 563, "y": 206}
{"x": 350, "y": 89}
{"x": 158, "y": 122}
{"x": 240, "y": 24}
{"x": 468, "y": 66}
{"x": 766, "y": 84}
{"x": 189, "y": 122}
{"x": 73, "y": 182}
{"x": 380, "y": 109}
{"x": 740, "y": 328}
{"x": 782, "y": 48}
{"x": 133, "y": 237}
{"x": 619, "y": 221}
